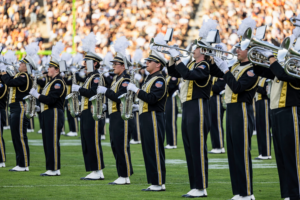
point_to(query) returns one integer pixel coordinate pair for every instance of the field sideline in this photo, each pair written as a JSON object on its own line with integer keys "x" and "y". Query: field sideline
{"x": 30, "y": 185}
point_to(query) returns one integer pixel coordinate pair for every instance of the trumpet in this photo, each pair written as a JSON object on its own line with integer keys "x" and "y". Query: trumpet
{"x": 294, "y": 20}
{"x": 253, "y": 54}
{"x": 11, "y": 69}
{"x": 165, "y": 49}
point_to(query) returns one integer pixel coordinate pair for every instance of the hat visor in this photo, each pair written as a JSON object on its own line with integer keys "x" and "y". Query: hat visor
{"x": 116, "y": 61}
{"x": 150, "y": 59}
{"x": 22, "y": 61}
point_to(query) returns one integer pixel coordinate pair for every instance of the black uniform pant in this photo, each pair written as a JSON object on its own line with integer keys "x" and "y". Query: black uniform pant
{"x": 216, "y": 117}
{"x": 239, "y": 129}
{"x": 39, "y": 113}
{"x": 72, "y": 121}
{"x": 91, "y": 142}
{"x": 286, "y": 137}
{"x": 119, "y": 139}
{"x": 254, "y": 114}
{"x": 53, "y": 120}
{"x": 153, "y": 136}
{"x": 2, "y": 144}
{"x": 19, "y": 124}
{"x": 135, "y": 130}
{"x": 7, "y": 118}
{"x": 195, "y": 127}
{"x": 102, "y": 126}
{"x": 171, "y": 112}
{"x": 263, "y": 126}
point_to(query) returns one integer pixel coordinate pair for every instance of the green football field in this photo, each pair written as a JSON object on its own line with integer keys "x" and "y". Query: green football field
{"x": 30, "y": 185}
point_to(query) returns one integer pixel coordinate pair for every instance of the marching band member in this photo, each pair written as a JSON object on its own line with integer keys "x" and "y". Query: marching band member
{"x": 90, "y": 138}
{"x": 194, "y": 95}
{"x": 216, "y": 116}
{"x": 285, "y": 114}
{"x": 52, "y": 111}
{"x": 3, "y": 101}
{"x": 152, "y": 99}
{"x": 239, "y": 92}
{"x": 263, "y": 126}
{"x": 171, "y": 112}
{"x": 20, "y": 85}
{"x": 119, "y": 128}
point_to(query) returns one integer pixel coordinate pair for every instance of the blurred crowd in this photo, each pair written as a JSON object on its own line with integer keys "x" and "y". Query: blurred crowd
{"x": 275, "y": 14}
{"x": 138, "y": 20}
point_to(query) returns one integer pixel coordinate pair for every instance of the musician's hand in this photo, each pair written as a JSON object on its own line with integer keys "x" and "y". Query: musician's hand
{"x": 62, "y": 74}
{"x": 132, "y": 87}
{"x": 265, "y": 53}
{"x": 101, "y": 90}
{"x": 75, "y": 88}
{"x": 37, "y": 109}
{"x": 222, "y": 65}
{"x": 137, "y": 77}
{"x": 174, "y": 52}
{"x": 135, "y": 107}
{"x": 33, "y": 92}
{"x": 179, "y": 86}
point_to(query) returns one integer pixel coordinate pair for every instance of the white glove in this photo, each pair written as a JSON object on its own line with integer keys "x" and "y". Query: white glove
{"x": 132, "y": 87}
{"x": 81, "y": 74}
{"x": 37, "y": 109}
{"x": 179, "y": 86}
{"x": 265, "y": 53}
{"x": 75, "y": 88}
{"x": 33, "y": 92}
{"x": 222, "y": 65}
{"x": 104, "y": 107}
{"x": 174, "y": 52}
{"x": 62, "y": 74}
{"x": 135, "y": 107}
{"x": 137, "y": 77}
{"x": 146, "y": 72}
{"x": 106, "y": 74}
{"x": 101, "y": 90}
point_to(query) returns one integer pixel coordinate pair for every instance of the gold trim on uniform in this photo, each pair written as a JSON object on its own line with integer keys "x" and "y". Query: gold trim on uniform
{"x": 246, "y": 147}
{"x": 156, "y": 148}
{"x": 267, "y": 126}
{"x": 21, "y": 133}
{"x": 219, "y": 121}
{"x": 137, "y": 117}
{"x": 125, "y": 146}
{"x": 46, "y": 91}
{"x": 97, "y": 145}
{"x": 202, "y": 141}
{"x": 85, "y": 100}
{"x": 173, "y": 121}
{"x": 296, "y": 132}
{"x": 55, "y": 139}
{"x": 261, "y": 83}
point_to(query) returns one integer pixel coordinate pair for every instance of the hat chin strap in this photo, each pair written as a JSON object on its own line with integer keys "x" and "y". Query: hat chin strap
{"x": 29, "y": 71}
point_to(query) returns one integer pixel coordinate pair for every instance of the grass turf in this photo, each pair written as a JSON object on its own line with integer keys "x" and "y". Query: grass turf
{"x": 30, "y": 185}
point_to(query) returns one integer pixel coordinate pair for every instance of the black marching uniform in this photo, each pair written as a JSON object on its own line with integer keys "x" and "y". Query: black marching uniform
{"x": 3, "y": 99}
{"x": 72, "y": 121}
{"x": 239, "y": 94}
{"x": 285, "y": 114}
{"x": 52, "y": 101}
{"x": 262, "y": 118}
{"x": 20, "y": 86}
{"x": 171, "y": 111}
{"x": 194, "y": 95}
{"x": 90, "y": 137}
{"x": 119, "y": 128}
{"x": 216, "y": 113}
{"x": 41, "y": 82}
{"x": 152, "y": 120}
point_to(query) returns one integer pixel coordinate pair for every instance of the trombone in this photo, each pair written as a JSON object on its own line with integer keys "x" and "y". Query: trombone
{"x": 294, "y": 20}
{"x": 253, "y": 54}
{"x": 165, "y": 49}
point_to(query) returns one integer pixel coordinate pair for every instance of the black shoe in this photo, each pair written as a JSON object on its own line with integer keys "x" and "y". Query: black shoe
{"x": 91, "y": 179}
{"x": 148, "y": 189}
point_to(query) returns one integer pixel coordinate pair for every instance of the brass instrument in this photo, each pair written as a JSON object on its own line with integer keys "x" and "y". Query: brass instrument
{"x": 215, "y": 51}
{"x": 11, "y": 69}
{"x": 253, "y": 54}
{"x": 74, "y": 103}
{"x": 269, "y": 85}
{"x": 294, "y": 20}
{"x": 30, "y": 100}
{"x": 97, "y": 102}
{"x": 292, "y": 64}
{"x": 165, "y": 49}
{"x": 127, "y": 100}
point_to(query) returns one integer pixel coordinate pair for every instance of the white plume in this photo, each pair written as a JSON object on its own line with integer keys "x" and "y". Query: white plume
{"x": 77, "y": 59}
{"x": 2, "y": 66}
{"x": 32, "y": 49}
{"x": 57, "y": 49}
{"x": 46, "y": 60}
{"x": 159, "y": 39}
{"x": 67, "y": 57}
{"x": 10, "y": 57}
{"x": 246, "y": 23}
{"x": 296, "y": 31}
{"x": 107, "y": 58}
{"x": 36, "y": 59}
{"x": 206, "y": 27}
{"x": 121, "y": 45}
{"x": 138, "y": 55}
{"x": 89, "y": 43}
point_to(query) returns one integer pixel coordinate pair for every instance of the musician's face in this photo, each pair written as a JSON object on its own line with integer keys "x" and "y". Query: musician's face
{"x": 118, "y": 68}
{"x": 22, "y": 67}
{"x": 196, "y": 53}
{"x": 152, "y": 66}
{"x": 52, "y": 71}
{"x": 242, "y": 55}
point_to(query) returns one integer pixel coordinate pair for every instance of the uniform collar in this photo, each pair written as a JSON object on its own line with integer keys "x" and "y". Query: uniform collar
{"x": 152, "y": 75}
{"x": 122, "y": 75}
{"x": 245, "y": 63}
